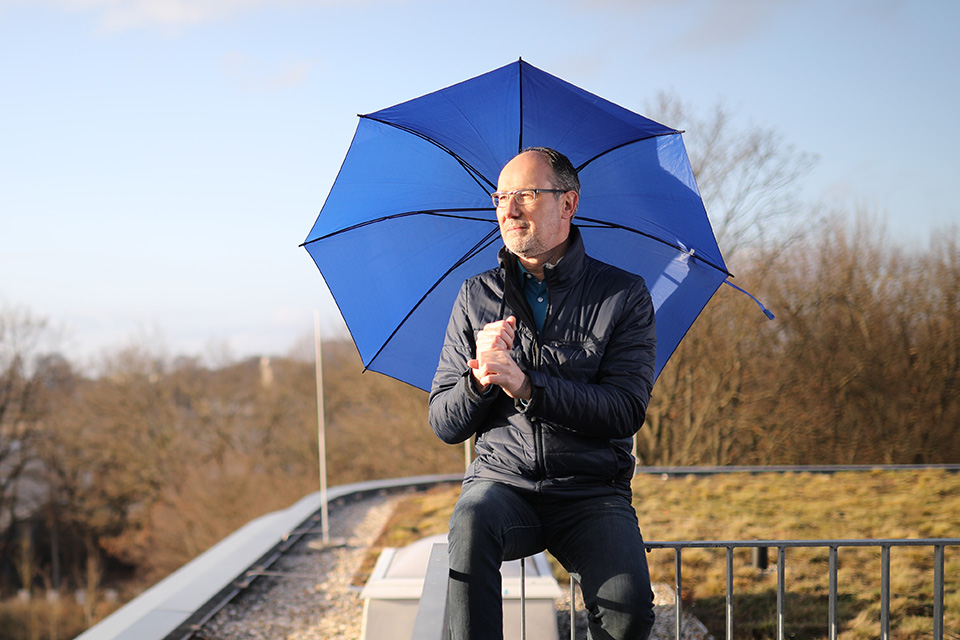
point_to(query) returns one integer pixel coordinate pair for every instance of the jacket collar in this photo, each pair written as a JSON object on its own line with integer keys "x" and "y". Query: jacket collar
{"x": 557, "y": 276}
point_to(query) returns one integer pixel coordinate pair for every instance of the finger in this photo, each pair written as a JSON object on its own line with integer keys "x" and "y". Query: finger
{"x": 489, "y": 340}
{"x": 508, "y": 329}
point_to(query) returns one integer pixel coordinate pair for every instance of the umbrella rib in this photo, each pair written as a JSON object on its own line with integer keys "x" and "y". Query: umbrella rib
{"x": 672, "y": 132}
{"x": 473, "y": 172}
{"x": 520, "y": 132}
{"x": 485, "y": 242}
{"x": 692, "y": 254}
{"x": 441, "y": 213}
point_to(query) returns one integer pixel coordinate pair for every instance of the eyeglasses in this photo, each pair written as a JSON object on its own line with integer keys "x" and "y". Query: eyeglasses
{"x": 520, "y": 196}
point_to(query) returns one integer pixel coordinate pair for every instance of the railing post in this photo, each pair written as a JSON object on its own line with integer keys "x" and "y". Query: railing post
{"x": 938, "y": 592}
{"x": 729, "y": 593}
{"x": 523, "y": 599}
{"x": 833, "y": 593}
{"x": 677, "y": 600}
{"x": 759, "y": 556}
{"x": 781, "y": 591}
{"x": 885, "y": 593}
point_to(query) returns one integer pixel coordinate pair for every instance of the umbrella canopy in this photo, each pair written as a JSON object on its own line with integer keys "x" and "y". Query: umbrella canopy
{"x": 409, "y": 216}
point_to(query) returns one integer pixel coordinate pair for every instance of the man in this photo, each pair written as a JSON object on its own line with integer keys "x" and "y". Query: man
{"x": 548, "y": 362}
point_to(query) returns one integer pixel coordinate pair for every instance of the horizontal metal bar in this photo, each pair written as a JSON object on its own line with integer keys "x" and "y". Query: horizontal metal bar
{"x": 281, "y": 574}
{"x": 758, "y": 469}
{"x": 744, "y": 544}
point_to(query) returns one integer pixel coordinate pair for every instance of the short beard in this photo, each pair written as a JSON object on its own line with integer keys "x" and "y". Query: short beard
{"x": 526, "y": 247}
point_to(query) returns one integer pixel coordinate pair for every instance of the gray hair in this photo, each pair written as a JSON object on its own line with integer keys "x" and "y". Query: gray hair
{"x": 564, "y": 173}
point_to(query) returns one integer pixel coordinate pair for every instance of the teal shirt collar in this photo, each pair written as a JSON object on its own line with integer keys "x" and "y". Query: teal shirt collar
{"x": 535, "y": 292}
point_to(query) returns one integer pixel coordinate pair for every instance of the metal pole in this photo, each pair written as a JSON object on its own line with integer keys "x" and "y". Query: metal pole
{"x": 885, "y": 593}
{"x": 833, "y": 593}
{"x": 729, "y": 593}
{"x": 781, "y": 591}
{"x": 523, "y": 599}
{"x": 573, "y": 605}
{"x": 677, "y": 605}
{"x": 938, "y": 592}
{"x": 321, "y": 433}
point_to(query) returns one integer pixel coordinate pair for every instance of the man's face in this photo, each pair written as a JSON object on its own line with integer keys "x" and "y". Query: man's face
{"x": 532, "y": 230}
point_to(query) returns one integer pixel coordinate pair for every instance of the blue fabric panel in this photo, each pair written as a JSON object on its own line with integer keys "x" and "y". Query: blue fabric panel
{"x": 378, "y": 273}
{"x": 478, "y": 119}
{"x": 579, "y": 124}
{"x": 679, "y": 285}
{"x": 648, "y": 186}
{"x": 389, "y": 172}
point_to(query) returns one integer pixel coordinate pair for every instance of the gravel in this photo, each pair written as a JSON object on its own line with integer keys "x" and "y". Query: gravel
{"x": 307, "y": 594}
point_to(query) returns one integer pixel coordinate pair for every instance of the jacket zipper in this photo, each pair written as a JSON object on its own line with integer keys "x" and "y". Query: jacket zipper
{"x": 537, "y": 427}
{"x": 526, "y": 315}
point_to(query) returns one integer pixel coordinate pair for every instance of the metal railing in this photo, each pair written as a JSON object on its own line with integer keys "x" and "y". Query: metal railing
{"x": 431, "y": 623}
{"x": 938, "y": 544}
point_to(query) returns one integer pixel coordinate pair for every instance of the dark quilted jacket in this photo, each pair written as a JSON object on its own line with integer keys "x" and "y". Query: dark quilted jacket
{"x": 591, "y": 369}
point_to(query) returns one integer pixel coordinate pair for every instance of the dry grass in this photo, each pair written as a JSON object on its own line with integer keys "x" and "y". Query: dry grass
{"x": 802, "y": 506}
{"x": 41, "y": 618}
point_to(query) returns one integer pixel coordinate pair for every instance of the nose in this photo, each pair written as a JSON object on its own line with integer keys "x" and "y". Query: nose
{"x": 508, "y": 210}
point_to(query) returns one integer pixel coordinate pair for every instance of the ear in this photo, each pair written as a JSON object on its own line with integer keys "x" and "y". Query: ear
{"x": 568, "y": 204}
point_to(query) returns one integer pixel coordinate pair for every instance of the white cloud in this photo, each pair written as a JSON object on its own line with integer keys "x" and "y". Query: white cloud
{"x": 122, "y": 15}
{"x": 700, "y": 24}
{"x": 254, "y": 76}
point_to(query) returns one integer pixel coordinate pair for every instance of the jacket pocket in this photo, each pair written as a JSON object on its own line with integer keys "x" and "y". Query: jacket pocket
{"x": 578, "y": 361}
{"x": 568, "y": 455}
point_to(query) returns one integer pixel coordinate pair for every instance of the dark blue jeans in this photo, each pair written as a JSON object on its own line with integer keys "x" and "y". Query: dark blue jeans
{"x": 597, "y": 540}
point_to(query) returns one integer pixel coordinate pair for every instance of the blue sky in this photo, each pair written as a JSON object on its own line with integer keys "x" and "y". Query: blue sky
{"x": 162, "y": 160}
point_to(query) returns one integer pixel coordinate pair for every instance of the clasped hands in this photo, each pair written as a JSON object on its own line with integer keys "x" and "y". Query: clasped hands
{"x": 494, "y": 365}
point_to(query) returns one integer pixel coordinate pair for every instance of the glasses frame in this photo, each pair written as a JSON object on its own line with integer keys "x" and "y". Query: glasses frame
{"x": 500, "y": 198}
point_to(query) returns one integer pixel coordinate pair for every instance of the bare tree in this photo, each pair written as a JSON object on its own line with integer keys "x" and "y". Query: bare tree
{"x": 749, "y": 177}
{"x": 749, "y": 180}
{"x": 22, "y": 409}
{"x": 871, "y": 342}
{"x": 376, "y": 426}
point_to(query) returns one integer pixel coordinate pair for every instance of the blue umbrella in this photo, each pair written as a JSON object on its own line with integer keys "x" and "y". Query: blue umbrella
{"x": 409, "y": 216}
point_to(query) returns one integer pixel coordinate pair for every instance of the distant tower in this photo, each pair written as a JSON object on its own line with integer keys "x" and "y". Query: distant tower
{"x": 266, "y": 373}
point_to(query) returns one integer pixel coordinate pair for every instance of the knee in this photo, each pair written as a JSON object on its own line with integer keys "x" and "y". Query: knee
{"x": 630, "y": 623}
{"x": 473, "y": 530}
{"x": 474, "y": 514}
{"x": 640, "y": 623}
{"x": 624, "y": 609}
